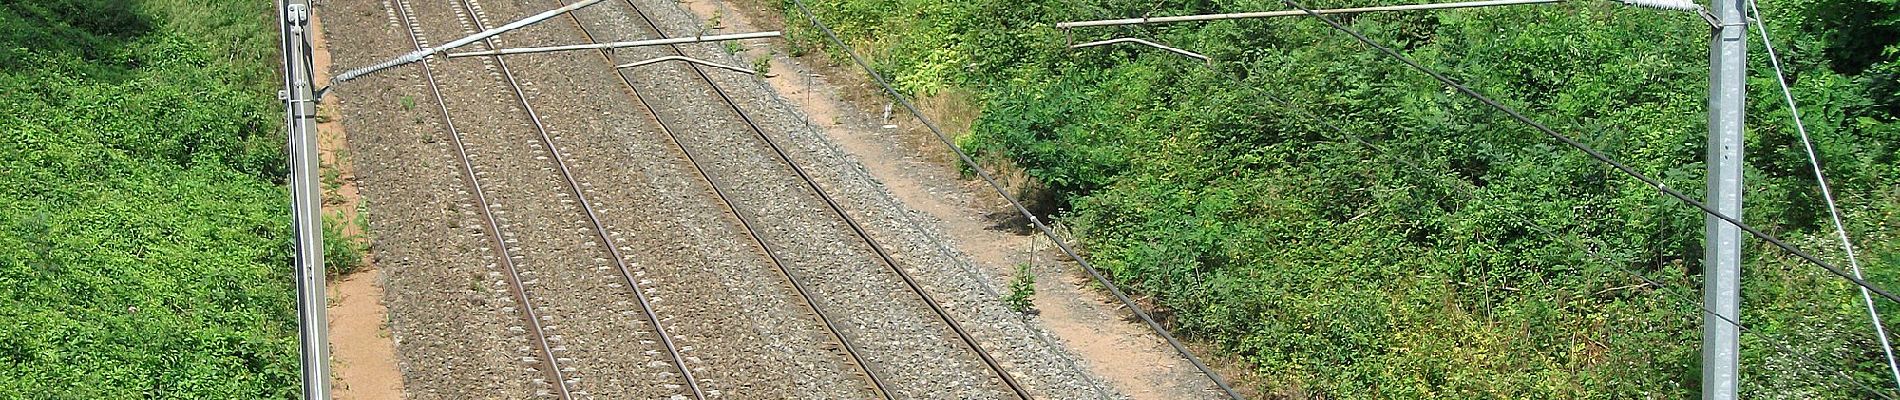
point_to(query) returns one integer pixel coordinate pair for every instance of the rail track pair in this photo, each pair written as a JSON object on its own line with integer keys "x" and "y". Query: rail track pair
{"x": 549, "y": 362}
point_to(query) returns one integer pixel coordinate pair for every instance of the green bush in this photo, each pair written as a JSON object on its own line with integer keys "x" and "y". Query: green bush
{"x": 1468, "y": 257}
{"x": 342, "y": 252}
{"x": 1022, "y": 290}
{"x": 143, "y": 242}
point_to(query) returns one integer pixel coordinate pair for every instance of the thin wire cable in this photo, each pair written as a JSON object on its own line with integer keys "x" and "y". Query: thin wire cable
{"x": 1834, "y": 212}
{"x": 1599, "y": 156}
{"x": 1018, "y": 205}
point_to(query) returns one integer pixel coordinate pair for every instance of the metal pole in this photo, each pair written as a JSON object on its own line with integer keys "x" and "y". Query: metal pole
{"x": 1722, "y": 241}
{"x": 307, "y": 217}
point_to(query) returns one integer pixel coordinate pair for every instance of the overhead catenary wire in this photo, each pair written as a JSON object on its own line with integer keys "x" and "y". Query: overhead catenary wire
{"x": 1598, "y": 155}
{"x": 1834, "y": 212}
{"x": 1018, "y": 205}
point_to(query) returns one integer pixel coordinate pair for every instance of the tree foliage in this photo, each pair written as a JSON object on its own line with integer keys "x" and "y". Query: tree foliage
{"x": 1467, "y": 256}
{"x": 143, "y": 242}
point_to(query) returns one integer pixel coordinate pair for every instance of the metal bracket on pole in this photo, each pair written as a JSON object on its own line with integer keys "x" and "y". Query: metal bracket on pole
{"x": 618, "y": 45}
{"x": 305, "y": 202}
{"x": 686, "y": 59}
{"x": 1189, "y": 54}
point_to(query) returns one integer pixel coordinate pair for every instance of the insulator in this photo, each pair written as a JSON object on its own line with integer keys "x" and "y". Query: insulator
{"x": 1679, "y": 5}
{"x": 404, "y": 59}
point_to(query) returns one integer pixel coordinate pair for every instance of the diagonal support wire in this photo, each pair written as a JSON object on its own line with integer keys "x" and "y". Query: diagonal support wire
{"x": 688, "y": 60}
{"x": 1175, "y": 50}
{"x": 1814, "y": 160}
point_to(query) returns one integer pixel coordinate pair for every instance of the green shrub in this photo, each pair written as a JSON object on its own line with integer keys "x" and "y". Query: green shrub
{"x": 1022, "y": 290}
{"x": 143, "y": 239}
{"x": 342, "y": 252}
{"x": 1467, "y": 257}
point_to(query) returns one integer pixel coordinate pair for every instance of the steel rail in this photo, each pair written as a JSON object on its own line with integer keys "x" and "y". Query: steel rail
{"x": 536, "y": 332}
{"x": 746, "y": 222}
{"x": 884, "y": 255}
{"x": 600, "y": 230}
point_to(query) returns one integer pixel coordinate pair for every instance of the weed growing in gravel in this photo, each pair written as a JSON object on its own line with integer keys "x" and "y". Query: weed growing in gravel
{"x": 407, "y": 102}
{"x": 477, "y": 284}
{"x": 733, "y": 47}
{"x": 342, "y": 252}
{"x": 763, "y": 65}
{"x": 1022, "y": 290}
{"x": 332, "y": 182}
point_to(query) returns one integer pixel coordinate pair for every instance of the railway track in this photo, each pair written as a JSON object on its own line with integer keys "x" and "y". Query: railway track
{"x": 748, "y": 223}
{"x": 812, "y": 303}
{"x": 884, "y": 373}
{"x": 559, "y": 382}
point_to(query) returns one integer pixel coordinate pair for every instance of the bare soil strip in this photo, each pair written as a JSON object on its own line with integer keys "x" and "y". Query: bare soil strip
{"x": 362, "y": 355}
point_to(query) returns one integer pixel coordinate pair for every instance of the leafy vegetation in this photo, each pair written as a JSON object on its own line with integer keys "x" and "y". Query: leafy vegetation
{"x": 143, "y": 242}
{"x": 1022, "y": 290}
{"x": 1466, "y": 256}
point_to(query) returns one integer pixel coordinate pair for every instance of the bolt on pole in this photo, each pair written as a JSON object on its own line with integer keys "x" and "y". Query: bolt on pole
{"x": 1722, "y": 241}
{"x": 307, "y": 218}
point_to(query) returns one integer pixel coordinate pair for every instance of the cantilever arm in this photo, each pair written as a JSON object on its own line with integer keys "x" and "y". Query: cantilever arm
{"x": 1189, "y": 54}
{"x": 618, "y": 45}
{"x": 686, "y": 59}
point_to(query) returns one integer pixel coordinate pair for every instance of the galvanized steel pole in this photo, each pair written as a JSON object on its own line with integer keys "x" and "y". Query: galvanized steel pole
{"x": 1722, "y": 241}
{"x": 307, "y": 218}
